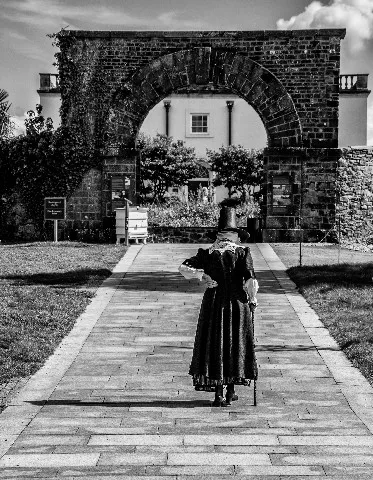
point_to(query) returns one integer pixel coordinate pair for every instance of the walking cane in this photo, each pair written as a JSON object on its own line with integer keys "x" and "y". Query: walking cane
{"x": 252, "y": 310}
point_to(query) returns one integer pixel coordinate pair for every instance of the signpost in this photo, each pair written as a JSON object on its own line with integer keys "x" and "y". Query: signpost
{"x": 127, "y": 220}
{"x": 55, "y": 209}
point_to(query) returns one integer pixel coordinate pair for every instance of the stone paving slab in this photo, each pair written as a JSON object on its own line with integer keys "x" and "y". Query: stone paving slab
{"x": 115, "y": 401}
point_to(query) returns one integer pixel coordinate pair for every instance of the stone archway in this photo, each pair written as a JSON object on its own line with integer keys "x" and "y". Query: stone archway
{"x": 291, "y": 79}
{"x": 206, "y": 66}
{"x": 201, "y": 67}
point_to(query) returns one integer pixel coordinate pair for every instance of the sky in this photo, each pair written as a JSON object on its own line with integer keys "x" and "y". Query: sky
{"x": 26, "y": 50}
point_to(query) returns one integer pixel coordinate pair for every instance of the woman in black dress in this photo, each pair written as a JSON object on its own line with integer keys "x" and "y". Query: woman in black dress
{"x": 224, "y": 352}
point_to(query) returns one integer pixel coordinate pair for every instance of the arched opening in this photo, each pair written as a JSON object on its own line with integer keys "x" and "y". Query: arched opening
{"x": 191, "y": 69}
{"x": 195, "y": 70}
{"x": 206, "y": 120}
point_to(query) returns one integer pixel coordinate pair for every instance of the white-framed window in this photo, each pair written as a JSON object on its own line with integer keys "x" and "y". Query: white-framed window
{"x": 197, "y": 124}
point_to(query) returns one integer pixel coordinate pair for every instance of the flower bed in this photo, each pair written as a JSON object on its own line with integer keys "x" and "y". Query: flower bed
{"x": 178, "y": 214}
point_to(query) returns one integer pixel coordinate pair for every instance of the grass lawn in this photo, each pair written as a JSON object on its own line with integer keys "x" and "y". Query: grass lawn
{"x": 341, "y": 294}
{"x": 44, "y": 288}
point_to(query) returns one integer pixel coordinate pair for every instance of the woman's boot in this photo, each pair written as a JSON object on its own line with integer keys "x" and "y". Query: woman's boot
{"x": 219, "y": 399}
{"x": 230, "y": 395}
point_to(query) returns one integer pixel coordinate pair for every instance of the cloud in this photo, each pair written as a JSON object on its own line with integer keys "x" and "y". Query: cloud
{"x": 354, "y": 15}
{"x": 177, "y": 19}
{"x": 53, "y": 14}
{"x": 22, "y": 44}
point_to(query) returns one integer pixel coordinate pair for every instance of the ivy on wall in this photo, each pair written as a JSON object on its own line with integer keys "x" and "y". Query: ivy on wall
{"x": 84, "y": 87}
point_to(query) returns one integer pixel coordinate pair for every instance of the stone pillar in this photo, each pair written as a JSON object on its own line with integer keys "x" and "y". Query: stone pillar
{"x": 84, "y": 206}
{"x": 299, "y": 192}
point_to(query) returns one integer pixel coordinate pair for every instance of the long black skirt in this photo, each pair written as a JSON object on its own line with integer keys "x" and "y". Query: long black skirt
{"x": 224, "y": 350}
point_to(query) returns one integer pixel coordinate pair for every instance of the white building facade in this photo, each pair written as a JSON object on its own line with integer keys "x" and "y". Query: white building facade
{"x": 353, "y": 99}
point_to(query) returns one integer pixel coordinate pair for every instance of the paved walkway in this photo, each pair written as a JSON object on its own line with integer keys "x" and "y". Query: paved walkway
{"x": 115, "y": 400}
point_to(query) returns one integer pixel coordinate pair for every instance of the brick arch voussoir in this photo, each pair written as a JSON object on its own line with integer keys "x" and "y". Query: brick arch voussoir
{"x": 203, "y": 65}
{"x": 244, "y": 73}
{"x": 175, "y": 71}
{"x": 260, "y": 88}
{"x": 165, "y": 75}
{"x": 202, "y": 62}
{"x": 221, "y": 62}
{"x": 139, "y": 93}
{"x": 127, "y": 100}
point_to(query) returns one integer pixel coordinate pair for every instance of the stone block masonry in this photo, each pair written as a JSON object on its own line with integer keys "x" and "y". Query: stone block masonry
{"x": 355, "y": 185}
{"x": 309, "y": 175}
{"x": 86, "y": 203}
{"x": 181, "y": 234}
{"x": 305, "y": 62}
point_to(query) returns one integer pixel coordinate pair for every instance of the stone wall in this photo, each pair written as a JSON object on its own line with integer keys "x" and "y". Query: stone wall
{"x": 304, "y": 62}
{"x": 355, "y": 184}
{"x": 85, "y": 206}
{"x": 310, "y": 173}
{"x": 180, "y": 234}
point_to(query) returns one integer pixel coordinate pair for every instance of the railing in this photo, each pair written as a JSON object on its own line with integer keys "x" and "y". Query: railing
{"x": 356, "y": 82}
{"x": 49, "y": 81}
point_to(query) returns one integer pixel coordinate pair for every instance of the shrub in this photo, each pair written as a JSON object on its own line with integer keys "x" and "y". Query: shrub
{"x": 42, "y": 163}
{"x": 175, "y": 213}
{"x": 239, "y": 169}
{"x": 165, "y": 163}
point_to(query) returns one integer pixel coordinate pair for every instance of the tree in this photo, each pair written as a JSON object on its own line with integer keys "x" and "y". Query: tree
{"x": 237, "y": 168}
{"x": 7, "y": 180}
{"x": 42, "y": 162}
{"x": 36, "y": 123}
{"x": 29, "y": 156}
{"x": 6, "y": 125}
{"x": 47, "y": 162}
{"x": 165, "y": 163}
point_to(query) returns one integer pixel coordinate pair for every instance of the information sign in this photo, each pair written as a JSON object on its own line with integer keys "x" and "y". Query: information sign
{"x": 54, "y": 208}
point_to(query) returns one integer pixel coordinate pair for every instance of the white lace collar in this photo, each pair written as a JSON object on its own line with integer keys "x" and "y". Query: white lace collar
{"x": 222, "y": 246}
